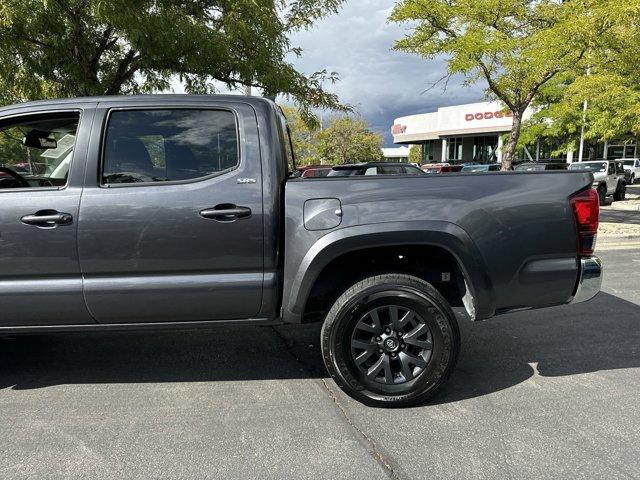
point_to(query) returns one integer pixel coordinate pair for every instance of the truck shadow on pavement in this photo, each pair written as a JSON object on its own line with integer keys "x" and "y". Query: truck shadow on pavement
{"x": 603, "y": 334}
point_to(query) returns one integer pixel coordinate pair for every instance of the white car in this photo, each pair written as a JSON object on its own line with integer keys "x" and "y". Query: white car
{"x": 632, "y": 165}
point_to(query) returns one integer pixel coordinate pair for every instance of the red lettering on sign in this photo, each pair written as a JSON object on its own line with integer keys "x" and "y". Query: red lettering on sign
{"x": 487, "y": 115}
{"x": 398, "y": 129}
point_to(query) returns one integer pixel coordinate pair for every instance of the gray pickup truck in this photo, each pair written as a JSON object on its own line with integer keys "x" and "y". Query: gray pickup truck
{"x": 179, "y": 211}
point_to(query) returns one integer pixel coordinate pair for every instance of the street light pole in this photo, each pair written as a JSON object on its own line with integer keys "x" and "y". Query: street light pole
{"x": 584, "y": 119}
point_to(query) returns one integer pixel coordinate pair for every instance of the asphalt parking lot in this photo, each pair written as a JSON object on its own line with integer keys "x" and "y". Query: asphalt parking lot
{"x": 544, "y": 394}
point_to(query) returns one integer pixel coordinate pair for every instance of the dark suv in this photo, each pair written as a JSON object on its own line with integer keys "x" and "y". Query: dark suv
{"x": 540, "y": 166}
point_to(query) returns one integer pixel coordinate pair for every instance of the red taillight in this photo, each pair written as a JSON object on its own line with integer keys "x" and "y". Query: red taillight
{"x": 586, "y": 210}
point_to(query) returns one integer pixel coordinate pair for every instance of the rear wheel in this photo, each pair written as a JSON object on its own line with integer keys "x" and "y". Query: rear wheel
{"x": 602, "y": 195}
{"x": 621, "y": 192}
{"x": 390, "y": 340}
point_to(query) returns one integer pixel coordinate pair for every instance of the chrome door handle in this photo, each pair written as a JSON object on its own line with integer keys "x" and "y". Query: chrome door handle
{"x": 47, "y": 219}
{"x": 226, "y": 212}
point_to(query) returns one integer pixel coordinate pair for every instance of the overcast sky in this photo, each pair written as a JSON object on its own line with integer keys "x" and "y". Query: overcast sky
{"x": 381, "y": 83}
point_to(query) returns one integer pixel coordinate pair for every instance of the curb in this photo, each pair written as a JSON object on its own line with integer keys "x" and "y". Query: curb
{"x": 625, "y": 208}
{"x": 604, "y": 239}
{"x": 617, "y": 242}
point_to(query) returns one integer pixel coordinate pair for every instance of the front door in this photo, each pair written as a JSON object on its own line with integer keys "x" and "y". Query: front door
{"x": 171, "y": 218}
{"x": 42, "y": 158}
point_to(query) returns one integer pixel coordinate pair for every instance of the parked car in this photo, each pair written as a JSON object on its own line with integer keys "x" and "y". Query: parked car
{"x": 632, "y": 165}
{"x": 608, "y": 178}
{"x": 540, "y": 166}
{"x": 301, "y": 169}
{"x": 440, "y": 168}
{"x": 481, "y": 167}
{"x": 374, "y": 168}
{"x": 316, "y": 172}
{"x": 179, "y": 211}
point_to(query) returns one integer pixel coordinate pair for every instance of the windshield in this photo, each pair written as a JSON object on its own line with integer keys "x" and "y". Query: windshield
{"x": 589, "y": 166}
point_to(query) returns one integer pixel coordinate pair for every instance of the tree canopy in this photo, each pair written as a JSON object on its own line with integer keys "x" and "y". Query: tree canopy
{"x": 348, "y": 140}
{"x": 515, "y": 46}
{"x": 415, "y": 154}
{"x": 62, "y": 48}
{"x": 610, "y": 86}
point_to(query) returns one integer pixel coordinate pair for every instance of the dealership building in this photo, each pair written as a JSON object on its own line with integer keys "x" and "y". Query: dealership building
{"x": 461, "y": 133}
{"x": 473, "y": 133}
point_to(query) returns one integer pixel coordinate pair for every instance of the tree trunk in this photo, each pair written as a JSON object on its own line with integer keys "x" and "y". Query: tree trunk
{"x": 510, "y": 148}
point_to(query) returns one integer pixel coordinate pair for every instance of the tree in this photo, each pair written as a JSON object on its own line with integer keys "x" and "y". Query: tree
{"x": 92, "y": 47}
{"x": 516, "y": 46}
{"x": 348, "y": 140}
{"x": 415, "y": 154}
{"x": 609, "y": 88}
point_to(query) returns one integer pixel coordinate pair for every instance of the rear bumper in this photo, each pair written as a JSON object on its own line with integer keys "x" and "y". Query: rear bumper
{"x": 589, "y": 279}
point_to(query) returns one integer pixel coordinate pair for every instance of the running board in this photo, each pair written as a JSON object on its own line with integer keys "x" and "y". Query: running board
{"x": 111, "y": 327}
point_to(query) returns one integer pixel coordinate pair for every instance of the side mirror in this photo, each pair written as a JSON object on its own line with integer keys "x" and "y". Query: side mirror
{"x": 39, "y": 139}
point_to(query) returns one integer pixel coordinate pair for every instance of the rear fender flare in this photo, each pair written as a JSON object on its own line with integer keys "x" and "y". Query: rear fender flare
{"x": 446, "y": 235}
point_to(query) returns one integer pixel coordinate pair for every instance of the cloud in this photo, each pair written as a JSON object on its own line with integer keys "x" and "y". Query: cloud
{"x": 380, "y": 82}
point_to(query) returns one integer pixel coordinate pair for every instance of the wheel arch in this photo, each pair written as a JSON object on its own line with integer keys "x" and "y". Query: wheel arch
{"x": 445, "y": 237}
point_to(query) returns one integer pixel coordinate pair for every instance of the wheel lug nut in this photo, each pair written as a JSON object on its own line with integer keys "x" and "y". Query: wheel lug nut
{"x": 402, "y": 345}
{"x": 378, "y": 339}
{"x": 393, "y": 354}
{"x": 399, "y": 334}
{"x": 380, "y": 350}
{"x": 387, "y": 330}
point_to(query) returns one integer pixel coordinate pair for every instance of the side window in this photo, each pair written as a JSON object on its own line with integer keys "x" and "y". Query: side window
{"x": 611, "y": 170}
{"x": 36, "y": 150}
{"x": 167, "y": 145}
{"x": 391, "y": 170}
{"x": 371, "y": 171}
{"x": 411, "y": 170}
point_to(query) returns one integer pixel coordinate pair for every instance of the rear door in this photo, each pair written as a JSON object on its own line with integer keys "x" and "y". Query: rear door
{"x": 171, "y": 218}
{"x": 42, "y": 153}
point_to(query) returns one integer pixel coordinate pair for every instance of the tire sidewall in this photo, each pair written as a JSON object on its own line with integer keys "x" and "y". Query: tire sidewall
{"x": 602, "y": 195}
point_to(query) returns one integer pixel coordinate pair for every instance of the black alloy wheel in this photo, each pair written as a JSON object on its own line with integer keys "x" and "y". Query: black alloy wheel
{"x": 391, "y": 345}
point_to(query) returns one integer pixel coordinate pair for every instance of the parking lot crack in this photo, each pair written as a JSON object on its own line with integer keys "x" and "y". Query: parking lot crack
{"x": 383, "y": 460}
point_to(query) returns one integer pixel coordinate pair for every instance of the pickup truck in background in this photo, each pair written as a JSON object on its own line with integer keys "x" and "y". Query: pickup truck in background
{"x": 179, "y": 211}
{"x": 608, "y": 178}
{"x": 632, "y": 166}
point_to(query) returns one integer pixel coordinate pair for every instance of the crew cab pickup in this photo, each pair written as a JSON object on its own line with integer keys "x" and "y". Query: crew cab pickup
{"x": 179, "y": 211}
